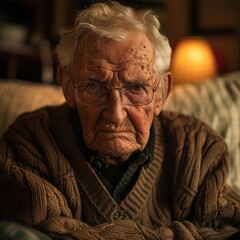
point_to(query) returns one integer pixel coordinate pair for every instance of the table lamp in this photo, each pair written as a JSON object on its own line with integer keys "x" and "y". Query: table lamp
{"x": 193, "y": 61}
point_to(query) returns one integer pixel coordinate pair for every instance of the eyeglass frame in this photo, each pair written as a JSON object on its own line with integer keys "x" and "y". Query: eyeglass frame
{"x": 108, "y": 89}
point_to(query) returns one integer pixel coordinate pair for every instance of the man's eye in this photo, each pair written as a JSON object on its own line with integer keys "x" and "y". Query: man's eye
{"x": 136, "y": 87}
{"x": 92, "y": 87}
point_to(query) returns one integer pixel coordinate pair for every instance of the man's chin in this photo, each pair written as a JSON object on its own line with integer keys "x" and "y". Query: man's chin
{"x": 116, "y": 149}
{"x": 115, "y": 153}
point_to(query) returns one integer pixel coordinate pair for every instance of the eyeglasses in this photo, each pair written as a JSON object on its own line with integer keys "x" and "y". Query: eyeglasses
{"x": 97, "y": 93}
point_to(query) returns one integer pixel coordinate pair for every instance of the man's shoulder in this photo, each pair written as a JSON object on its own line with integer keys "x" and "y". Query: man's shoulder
{"x": 34, "y": 119}
{"x": 173, "y": 122}
{"x": 178, "y": 119}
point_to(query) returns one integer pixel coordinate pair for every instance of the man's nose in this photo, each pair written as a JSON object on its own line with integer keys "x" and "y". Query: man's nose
{"x": 115, "y": 110}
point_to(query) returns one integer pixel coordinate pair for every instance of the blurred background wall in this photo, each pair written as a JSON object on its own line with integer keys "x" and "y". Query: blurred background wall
{"x": 29, "y": 31}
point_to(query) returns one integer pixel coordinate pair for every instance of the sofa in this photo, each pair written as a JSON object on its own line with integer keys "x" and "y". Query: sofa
{"x": 216, "y": 101}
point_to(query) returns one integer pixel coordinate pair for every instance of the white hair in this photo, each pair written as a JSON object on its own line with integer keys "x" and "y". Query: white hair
{"x": 115, "y": 21}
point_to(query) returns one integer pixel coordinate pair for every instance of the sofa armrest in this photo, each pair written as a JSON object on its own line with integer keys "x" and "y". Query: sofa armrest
{"x": 18, "y": 96}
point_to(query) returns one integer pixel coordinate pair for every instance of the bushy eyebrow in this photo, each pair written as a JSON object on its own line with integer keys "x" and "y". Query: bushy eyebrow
{"x": 94, "y": 78}
{"x": 96, "y": 73}
{"x": 124, "y": 82}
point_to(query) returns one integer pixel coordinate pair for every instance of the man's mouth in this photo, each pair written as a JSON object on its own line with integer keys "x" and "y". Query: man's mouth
{"x": 112, "y": 134}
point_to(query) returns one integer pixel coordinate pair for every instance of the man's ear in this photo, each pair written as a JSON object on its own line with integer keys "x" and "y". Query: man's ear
{"x": 167, "y": 86}
{"x": 63, "y": 79}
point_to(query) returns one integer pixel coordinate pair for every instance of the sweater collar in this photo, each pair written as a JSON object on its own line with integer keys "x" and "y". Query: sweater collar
{"x": 90, "y": 185}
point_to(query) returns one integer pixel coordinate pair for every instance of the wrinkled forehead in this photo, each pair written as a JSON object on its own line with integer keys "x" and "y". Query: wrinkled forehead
{"x": 136, "y": 48}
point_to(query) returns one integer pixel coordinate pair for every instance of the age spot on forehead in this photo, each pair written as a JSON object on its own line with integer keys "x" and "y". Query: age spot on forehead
{"x": 142, "y": 58}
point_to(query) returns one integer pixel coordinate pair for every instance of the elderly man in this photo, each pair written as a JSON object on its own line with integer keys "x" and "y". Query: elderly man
{"x": 108, "y": 164}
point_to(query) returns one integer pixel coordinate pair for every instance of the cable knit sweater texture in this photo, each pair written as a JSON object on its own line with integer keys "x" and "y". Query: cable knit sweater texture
{"x": 46, "y": 183}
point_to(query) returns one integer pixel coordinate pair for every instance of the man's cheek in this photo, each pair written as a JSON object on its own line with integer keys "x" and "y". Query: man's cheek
{"x": 142, "y": 132}
{"x": 143, "y": 121}
{"x": 87, "y": 117}
{"x": 142, "y": 135}
{"x": 142, "y": 129}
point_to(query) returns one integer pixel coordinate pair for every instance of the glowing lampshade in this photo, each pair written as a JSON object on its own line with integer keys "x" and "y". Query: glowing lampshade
{"x": 193, "y": 60}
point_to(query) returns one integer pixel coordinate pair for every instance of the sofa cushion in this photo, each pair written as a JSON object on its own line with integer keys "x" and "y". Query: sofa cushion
{"x": 18, "y": 96}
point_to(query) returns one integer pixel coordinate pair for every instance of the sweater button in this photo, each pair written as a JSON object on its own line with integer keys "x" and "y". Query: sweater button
{"x": 69, "y": 226}
{"x": 97, "y": 164}
{"x": 119, "y": 215}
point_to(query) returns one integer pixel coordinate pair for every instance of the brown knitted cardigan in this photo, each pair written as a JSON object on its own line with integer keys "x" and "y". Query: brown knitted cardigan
{"x": 46, "y": 183}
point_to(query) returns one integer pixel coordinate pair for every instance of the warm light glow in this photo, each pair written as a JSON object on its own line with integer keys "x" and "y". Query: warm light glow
{"x": 193, "y": 61}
